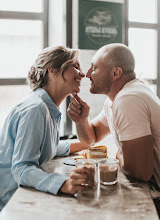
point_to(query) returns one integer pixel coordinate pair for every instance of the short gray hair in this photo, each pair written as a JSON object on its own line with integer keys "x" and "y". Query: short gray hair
{"x": 58, "y": 58}
{"x": 119, "y": 55}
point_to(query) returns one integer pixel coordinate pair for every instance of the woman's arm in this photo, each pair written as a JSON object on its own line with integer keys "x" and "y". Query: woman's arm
{"x": 77, "y": 146}
{"x": 67, "y": 147}
{"x": 28, "y": 153}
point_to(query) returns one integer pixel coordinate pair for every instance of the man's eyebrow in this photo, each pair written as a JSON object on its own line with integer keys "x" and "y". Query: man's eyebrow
{"x": 77, "y": 63}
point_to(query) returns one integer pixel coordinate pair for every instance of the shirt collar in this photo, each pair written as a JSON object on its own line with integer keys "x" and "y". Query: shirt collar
{"x": 54, "y": 111}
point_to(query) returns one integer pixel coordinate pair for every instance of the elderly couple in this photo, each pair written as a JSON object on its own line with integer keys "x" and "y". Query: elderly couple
{"x": 30, "y": 135}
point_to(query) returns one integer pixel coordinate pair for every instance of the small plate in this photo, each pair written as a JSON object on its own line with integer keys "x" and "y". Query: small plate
{"x": 69, "y": 161}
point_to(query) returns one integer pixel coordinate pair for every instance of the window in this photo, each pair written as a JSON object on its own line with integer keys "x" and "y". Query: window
{"x": 23, "y": 34}
{"x": 19, "y": 5}
{"x": 20, "y": 42}
{"x": 142, "y": 37}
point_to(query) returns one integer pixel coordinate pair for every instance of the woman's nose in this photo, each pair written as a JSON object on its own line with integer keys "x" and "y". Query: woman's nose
{"x": 81, "y": 74}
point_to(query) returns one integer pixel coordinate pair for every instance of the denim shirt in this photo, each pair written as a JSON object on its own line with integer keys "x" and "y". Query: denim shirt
{"x": 28, "y": 139}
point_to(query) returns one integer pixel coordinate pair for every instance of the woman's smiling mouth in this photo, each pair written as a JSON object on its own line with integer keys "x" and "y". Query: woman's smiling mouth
{"x": 78, "y": 81}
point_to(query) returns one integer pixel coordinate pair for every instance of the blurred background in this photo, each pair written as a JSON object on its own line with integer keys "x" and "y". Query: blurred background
{"x": 28, "y": 26}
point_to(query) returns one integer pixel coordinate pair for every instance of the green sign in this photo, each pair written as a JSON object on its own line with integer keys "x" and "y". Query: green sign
{"x": 100, "y": 23}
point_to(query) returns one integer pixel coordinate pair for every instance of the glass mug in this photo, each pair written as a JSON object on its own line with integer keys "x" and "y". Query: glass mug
{"x": 90, "y": 163}
{"x": 107, "y": 171}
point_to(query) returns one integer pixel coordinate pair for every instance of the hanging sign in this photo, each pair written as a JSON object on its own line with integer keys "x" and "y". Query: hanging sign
{"x": 100, "y": 23}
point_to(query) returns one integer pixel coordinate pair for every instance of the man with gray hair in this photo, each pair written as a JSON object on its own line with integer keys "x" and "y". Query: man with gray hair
{"x": 131, "y": 113}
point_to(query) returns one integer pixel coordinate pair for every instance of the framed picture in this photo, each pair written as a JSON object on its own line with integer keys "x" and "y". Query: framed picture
{"x": 100, "y": 23}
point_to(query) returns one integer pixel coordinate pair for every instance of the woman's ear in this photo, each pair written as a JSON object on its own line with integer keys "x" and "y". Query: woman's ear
{"x": 53, "y": 72}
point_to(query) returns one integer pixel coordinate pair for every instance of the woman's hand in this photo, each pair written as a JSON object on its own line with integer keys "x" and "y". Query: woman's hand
{"x": 80, "y": 179}
{"x": 77, "y": 109}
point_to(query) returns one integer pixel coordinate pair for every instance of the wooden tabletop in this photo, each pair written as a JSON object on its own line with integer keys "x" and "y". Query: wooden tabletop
{"x": 128, "y": 199}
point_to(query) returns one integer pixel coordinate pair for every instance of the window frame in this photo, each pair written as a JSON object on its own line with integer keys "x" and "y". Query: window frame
{"x": 153, "y": 26}
{"x": 69, "y": 31}
{"x": 19, "y": 15}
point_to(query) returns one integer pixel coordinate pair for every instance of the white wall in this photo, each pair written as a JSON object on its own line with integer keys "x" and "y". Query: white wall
{"x": 57, "y": 18}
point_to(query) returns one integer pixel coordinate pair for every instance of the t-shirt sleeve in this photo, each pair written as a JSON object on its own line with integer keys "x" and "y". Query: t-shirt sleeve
{"x": 131, "y": 118}
{"x": 27, "y": 152}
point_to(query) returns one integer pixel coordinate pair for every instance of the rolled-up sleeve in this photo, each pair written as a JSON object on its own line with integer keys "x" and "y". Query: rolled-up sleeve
{"x": 63, "y": 148}
{"x": 27, "y": 152}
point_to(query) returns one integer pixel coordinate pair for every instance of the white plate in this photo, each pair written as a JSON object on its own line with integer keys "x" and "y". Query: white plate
{"x": 69, "y": 161}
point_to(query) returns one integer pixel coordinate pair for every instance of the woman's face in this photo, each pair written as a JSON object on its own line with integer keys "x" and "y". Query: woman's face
{"x": 73, "y": 76}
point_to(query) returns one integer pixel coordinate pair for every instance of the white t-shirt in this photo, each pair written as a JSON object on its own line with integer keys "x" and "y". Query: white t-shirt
{"x": 134, "y": 113}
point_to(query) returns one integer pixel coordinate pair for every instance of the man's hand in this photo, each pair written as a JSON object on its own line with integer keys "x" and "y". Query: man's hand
{"x": 89, "y": 132}
{"x": 78, "y": 110}
{"x": 80, "y": 179}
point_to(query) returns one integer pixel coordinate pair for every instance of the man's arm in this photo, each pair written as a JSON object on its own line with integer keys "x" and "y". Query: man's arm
{"x": 88, "y": 132}
{"x": 136, "y": 158}
{"x": 100, "y": 130}
{"x": 91, "y": 132}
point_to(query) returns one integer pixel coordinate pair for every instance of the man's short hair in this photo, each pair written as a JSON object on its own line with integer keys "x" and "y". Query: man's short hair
{"x": 119, "y": 55}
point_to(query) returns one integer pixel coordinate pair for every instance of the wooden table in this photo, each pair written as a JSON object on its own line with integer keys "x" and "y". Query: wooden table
{"x": 128, "y": 199}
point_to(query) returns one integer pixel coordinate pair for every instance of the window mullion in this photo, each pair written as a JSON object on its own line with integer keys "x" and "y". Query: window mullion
{"x": 126, "y": 22}
{"x": 142, "y": 25}
{"x": 45, "y": 23}
{"x": 158, "y": 48}
{"x": 21, "y": 15}
{"x": 12, "y": 81}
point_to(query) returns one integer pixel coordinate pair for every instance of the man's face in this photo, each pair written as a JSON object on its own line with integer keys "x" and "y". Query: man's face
{"x": 99, "y": 75}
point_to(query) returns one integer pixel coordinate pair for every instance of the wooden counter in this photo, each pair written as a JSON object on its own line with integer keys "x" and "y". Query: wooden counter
{"x": 127, "y": 200}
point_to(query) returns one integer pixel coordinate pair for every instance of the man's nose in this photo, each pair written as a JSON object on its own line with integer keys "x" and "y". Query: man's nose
{"x": 88, "y": 75}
